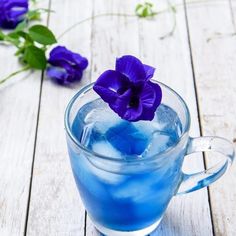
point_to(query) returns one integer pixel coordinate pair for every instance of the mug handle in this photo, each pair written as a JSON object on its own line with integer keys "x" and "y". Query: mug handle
{"x": 192, "y": 182}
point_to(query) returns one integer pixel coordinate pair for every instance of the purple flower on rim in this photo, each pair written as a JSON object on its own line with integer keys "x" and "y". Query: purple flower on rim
{"x": 128, "y": 89}
{"x": 66, "y": 66}
{"x": 12, "y": 12}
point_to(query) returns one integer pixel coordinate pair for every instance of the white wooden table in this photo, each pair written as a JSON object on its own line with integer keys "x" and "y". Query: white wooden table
{"x": 38, "y": 195}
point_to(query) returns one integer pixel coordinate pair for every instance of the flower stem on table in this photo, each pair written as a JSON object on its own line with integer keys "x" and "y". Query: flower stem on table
{"x": 14, "y": 74}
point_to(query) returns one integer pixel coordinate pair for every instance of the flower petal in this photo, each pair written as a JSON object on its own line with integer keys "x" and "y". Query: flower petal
{"x": 106, "y": 94}
{"x": 133, "y": 113}
{"x": 113, "y": 81}
{"x": 57, "y": 74}
{"x": 60, "y": 53}
{"x": 12, "y": 12}
{"x": 71, "y": 63}
{"x": 9, "y": 4}
{"x": 61, "y": 56}
{"x": 147, "y": 96}
{"x": 150, "y": 98}
{"x": 80, "y": 61}
{"x": 149, "y": 71}
{"x": 77, "y": 74}
{"x": 147, "y": 114}
{"x": 156, "y": 87}
{"x": 117, "y": 103}
{"x": 61, "y": 63}
{"x": 120, "y": 103}
{"x": 128, "y": 90}
{"x": 131, "y": 67}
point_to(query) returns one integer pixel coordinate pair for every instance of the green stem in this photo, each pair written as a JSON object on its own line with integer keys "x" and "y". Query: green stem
{"x": 169, "y": 8}
{"x": 220, "y": 35}
{"x": 92, "y": 18}
{"x": 173, "y": 11}
{"x": 14, "y": 74}
{"x": 104, "y": 15}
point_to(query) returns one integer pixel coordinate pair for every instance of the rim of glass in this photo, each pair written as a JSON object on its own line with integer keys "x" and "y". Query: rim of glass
{"x": 86, "y": 88}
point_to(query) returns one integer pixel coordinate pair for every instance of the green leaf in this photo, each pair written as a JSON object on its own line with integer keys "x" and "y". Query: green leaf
{"x": 20, "y": 51}
{"x": 145, "y": 12}
{"x": 138, "y": 7}
{"x": 35, "y": 57}
{"x": 149, "y": 4}
{"x": 21, "y": 26}
{"x": 26, "y": 36}
{"x": 2, "y": 35}
{"x": 13, "y": 38}
{"x": 34, "y": 15}
{"x": 42, "y": 35}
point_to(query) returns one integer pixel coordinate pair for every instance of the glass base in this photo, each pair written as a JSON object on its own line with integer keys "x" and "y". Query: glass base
{"x": 141, "y": 232}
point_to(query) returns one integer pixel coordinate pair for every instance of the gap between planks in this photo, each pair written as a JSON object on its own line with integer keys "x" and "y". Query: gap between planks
{"x": 164, "y": 231}
{"x": 206, "y": 71}
{"x": 55, "y": 207}
{"x": 36, "y": 132}
{"x": 198, "y": 108}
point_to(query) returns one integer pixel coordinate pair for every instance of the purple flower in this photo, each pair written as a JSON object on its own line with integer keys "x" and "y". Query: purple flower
{"x": 66, "y": 66}
{"x": 128, "y": 89}
{"x": 12, "y": 12}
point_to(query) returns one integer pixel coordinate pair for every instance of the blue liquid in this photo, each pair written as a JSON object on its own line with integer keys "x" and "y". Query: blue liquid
{"x": 130, "y": 201}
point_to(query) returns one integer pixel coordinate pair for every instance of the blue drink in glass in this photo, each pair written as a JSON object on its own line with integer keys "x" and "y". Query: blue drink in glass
{"x": 125, "y": 202}
{"x": 127, "y": 172}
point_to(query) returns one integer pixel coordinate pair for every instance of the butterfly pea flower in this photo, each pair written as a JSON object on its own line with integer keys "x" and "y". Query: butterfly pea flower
{"x": 12, "y": 12}
{"x": 65, "y": 66}
{"x": 128, "y": 89}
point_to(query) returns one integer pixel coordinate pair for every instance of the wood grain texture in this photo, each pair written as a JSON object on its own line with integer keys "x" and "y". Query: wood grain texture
{"x": 214, "y": 65}
{"x": 55, "y": 207}
{"x": 112, "y": 37}
{"x": 19, "y": 99}
{"x": 172, "y": 58}
{"x": 188, "y": 214}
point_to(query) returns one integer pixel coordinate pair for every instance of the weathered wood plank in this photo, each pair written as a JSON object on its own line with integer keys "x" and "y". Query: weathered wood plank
{"x": 112, "y": 37}
{"x": 185, "y": 215}
{"x": 188, "y": 214}
{"x": 55, "y": 207}
{"x": 19, "y": 99}
{"x": 214, "y": 65}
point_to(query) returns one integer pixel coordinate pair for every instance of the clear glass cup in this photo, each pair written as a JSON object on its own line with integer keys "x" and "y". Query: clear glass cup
{"x": 136, "y": 205}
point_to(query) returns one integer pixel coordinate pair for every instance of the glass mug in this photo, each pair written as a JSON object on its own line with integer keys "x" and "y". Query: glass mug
{"x": 125, "y": 198}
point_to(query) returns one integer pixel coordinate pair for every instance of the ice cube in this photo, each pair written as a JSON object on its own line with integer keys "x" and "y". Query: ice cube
{"x": 131, "y": 187}
{"x": 160, "y": 142}
{"x": 106, "y": 149}
{"x": 128, "y": 139}
{"x": 166, "y": 119}
{"x": 96, "y": 142}
{"x": 95, "y": 113}
{"x": 100, "y": 113}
